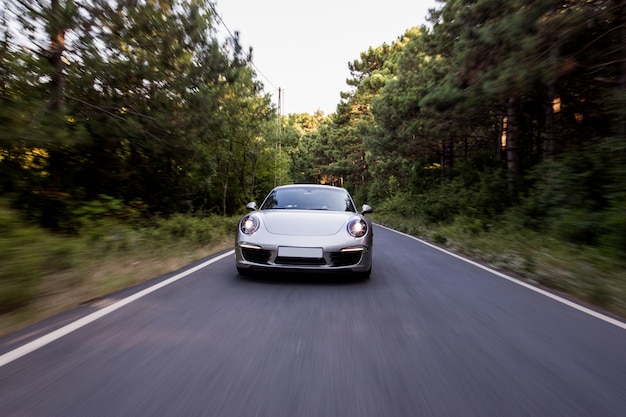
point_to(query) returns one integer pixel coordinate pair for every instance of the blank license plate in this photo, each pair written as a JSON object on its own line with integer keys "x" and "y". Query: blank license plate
{"x": 289, "y": 252}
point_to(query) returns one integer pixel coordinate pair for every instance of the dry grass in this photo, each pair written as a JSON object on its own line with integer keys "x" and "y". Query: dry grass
{"x": 42, "y": 273}
{"x": 60, "y": 291}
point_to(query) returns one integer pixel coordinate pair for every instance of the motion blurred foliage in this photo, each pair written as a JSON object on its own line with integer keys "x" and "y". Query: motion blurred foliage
{"x": 581, "y": 196}
{"x": 43, "y": 272}
{"x": 27, "y": 254}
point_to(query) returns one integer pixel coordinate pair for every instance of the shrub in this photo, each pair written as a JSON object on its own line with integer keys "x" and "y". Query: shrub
{"x": 613, "y": 230}
{"x": 27, "y": 253}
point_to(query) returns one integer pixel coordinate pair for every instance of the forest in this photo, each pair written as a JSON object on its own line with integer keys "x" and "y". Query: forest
{"x": 498, "y": 119}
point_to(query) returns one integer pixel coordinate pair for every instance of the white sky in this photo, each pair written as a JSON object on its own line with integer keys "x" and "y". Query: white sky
{"x": 304, "y": 47}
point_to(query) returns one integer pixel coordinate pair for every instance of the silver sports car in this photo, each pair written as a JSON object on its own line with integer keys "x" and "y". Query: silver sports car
{"x": 307, "y": 228}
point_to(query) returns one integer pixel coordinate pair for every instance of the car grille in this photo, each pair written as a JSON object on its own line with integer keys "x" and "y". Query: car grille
{"x": 258, "y": 256}
{"x": 300, "y": 261}
{"x": 345, "y": 258}
{"x": 337, "y": 259}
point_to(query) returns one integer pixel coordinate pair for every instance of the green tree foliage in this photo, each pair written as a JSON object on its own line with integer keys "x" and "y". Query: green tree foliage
{"x": 136, "y": 100}
{"x": 306, "y": 152}
{"x": 497, "y": 105}
{"x": 526, "y": 61}
{"x": 337, "y": 152}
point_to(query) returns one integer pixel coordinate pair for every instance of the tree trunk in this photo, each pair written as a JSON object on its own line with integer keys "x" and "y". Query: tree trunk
{"x": 447, "y": 155}
{"x": 512, "y": 156}
{"x": 224, "y": 194}
{"x": 621, "y": 128}
{"x": 549, "y": 145}
{"x": 56, "y": 29}
{"x": 229, "y": 165}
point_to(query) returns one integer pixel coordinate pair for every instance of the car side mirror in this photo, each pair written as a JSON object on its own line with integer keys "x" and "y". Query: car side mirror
{"x": 251, "y": 206}
{"x": 366, "y": 209}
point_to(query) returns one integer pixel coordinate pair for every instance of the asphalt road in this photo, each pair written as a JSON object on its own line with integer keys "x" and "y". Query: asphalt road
{"x": 427, "y": 335}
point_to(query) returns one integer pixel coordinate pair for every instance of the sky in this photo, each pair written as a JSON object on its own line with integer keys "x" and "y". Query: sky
{"x": 304, "y": 47}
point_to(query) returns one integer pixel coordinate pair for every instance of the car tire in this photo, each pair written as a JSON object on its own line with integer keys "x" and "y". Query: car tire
{"x": 365, "y": 275}
{"x": 243, "y": 271}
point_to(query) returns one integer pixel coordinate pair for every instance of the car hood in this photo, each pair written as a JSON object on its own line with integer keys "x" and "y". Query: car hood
{"x": 305, "y": 222}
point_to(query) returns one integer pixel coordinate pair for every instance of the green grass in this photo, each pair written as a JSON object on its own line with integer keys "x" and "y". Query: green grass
{"x": 42, "y": 273}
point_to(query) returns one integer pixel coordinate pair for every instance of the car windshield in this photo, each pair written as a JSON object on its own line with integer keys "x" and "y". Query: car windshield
{"x": 309, "y": 198}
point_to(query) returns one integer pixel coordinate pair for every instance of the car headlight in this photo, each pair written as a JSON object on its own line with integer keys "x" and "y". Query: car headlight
{"x": 357, "y": 227}
{"x": 249, "y": 225}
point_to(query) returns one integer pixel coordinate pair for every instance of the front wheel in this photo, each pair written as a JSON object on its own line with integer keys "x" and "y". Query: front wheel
{"x": 365, "y": 275}
{"x": 243, "y": 271}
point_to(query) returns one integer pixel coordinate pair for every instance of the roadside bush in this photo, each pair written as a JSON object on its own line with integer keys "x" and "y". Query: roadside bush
{"x": 577, "y": 226}
{"x": 580, "y": 197}
{"x": 18, "y": 271}
{"x": 110, "y": 250}
{"x": 613, "y": 237}
{"x": 185, "y": 227}
{"x": 27, "y": 253}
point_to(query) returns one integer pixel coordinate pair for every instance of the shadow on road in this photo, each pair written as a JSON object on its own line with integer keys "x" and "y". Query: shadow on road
{"x": 302, "y": 278}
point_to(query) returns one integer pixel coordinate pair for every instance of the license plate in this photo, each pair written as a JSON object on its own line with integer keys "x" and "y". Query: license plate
{"x": 289, "y": 252}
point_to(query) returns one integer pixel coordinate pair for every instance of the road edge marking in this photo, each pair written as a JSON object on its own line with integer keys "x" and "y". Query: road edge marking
{"x": 543, "y": 292}
{"x": 44, "y": 340}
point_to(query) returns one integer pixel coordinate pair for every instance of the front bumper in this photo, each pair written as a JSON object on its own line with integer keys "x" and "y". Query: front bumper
{"x": 352, "y": 258}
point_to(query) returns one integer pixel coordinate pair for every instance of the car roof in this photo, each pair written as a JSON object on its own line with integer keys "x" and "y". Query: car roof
{"x": 326, "y": 186}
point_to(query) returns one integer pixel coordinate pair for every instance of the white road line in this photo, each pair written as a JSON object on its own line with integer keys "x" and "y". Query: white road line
{"x": 65, "y": 330}
{"x": 555, "y": 297}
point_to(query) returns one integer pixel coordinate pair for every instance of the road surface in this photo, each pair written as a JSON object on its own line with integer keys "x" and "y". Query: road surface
{"x": 428, "y": 335}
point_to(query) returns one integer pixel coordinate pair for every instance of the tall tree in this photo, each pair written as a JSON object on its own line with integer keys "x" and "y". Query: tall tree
{"x": 137, "y": 88}
{"x": 354, "y": 121}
